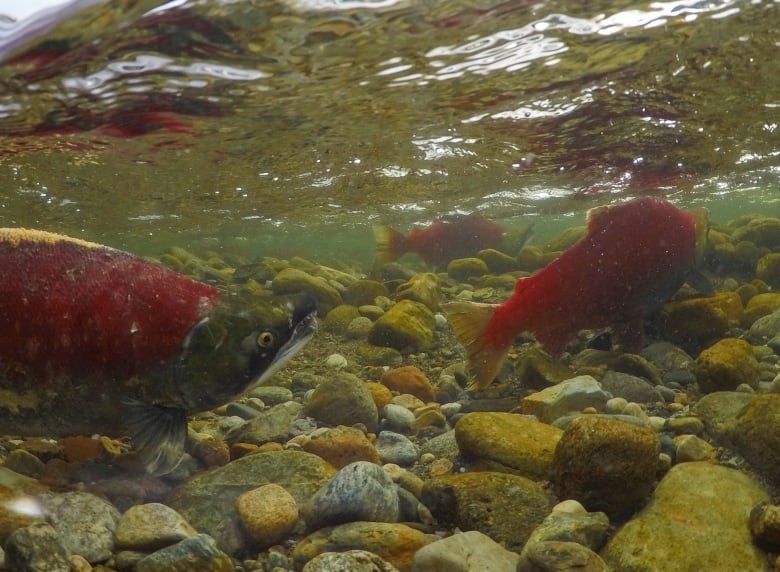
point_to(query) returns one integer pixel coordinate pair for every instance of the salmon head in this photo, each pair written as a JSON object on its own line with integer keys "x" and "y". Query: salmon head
{"x": 241, "y": 344}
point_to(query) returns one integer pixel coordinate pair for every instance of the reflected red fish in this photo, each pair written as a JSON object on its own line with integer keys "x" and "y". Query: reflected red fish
{"x": 98, "y": 340}
{"x": 633, "y": 258}
{"x": 443, "y": 240}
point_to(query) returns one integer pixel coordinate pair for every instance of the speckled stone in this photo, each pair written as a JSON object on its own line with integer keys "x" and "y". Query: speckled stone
{"x": 606, "y": 464}
{"x": 691, "y": 448}
{"x": 268, "y": 514}
{"x": 351, "y": 560}
{"x": 396, "y": 448}
{"x": 517, "y": 443}
{"x": 360, "y": 491}
{"x": 35, "y": 548}
{"x": 695, "y": 506}
{"x": 505, "y": 507}
{"x": 554, "y": 556}
{"x": 395, "y": 543}
{"x": 197, "y": 553}
{"x": 150, "y": 526}
{"x": 84, "y": 522}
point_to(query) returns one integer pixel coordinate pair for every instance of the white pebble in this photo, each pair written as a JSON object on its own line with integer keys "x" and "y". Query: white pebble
{"x": 615, "y": 405}
{"x": 441, "y": 321}
{"x": 336, "y": 361}
{"x": 657, "y": 423}
{"x": 569, "y": 506}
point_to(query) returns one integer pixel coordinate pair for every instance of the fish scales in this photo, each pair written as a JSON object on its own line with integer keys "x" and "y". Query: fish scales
{"x": 82, "y": 308}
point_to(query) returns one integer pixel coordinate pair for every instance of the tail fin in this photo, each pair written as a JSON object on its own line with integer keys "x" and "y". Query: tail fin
{"x": 469, "y": 321}
{"x": 389, "y": 245}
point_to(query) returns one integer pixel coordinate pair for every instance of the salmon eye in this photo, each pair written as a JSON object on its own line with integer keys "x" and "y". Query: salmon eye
{"x": 265, "y": 339}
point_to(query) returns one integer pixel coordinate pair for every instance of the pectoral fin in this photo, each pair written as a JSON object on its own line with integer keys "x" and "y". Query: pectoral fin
{"x": 158, "y": 433}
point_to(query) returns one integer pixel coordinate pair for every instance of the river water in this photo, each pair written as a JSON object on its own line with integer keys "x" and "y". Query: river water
{"x": 293, "y": 127}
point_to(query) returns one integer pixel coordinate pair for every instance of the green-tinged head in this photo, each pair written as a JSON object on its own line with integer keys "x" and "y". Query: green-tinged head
{"x": 241, "y": 344}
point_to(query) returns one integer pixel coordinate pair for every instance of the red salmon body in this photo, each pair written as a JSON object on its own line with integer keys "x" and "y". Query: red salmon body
{"x": 72, "y": 307}
{"x": 633, "y": 258}
{"x": 443, "y": 240}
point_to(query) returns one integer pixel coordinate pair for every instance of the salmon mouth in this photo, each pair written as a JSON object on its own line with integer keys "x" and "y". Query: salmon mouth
{"x": 303, "y": 330}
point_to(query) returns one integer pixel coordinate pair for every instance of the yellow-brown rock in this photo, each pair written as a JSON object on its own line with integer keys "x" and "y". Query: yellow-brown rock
{"x": 422, "y": 288}
{"x": 411, "y": 380}
{"x": 379, "y": 393}
{"x": 505, "y": 440}
{"x": 462, "y": 269}
{"x": 396, "y": 543}
{"x": 768, "y": 269}
{"x": 341, "y": 446}
{"x": 268, "y": 514}
{"x": 701, "y": 319}
{"x": 761, "y": 305}
{"x": 725, "y": 365}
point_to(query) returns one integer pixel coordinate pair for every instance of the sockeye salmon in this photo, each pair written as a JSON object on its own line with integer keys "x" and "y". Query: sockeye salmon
{"x": 633, "y": 257}
{"x": 96, "y": 340}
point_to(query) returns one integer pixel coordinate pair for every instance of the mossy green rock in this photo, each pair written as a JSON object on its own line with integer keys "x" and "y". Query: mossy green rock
{"x": 761, "y": 305}
{"x": 407, "y": 325}
{"x": 379, "y": 355}
{"x": 462, "y": 269}
{"x": 704, "y": 318}
{"x": 719, "y": 412}
{"x": 294, "y": 281}
{"x": 768, "y": 269}
{"x": 497, "y": 262}
{"x": 696, "y": 519}
{"x": 513, "y": 442}
{"x": 725, "y": 365}
{"x": 343, "y": 400}
{"x": 339, "y": 318}
{"x": 606, "y": 464}
{"x": 505, "y": 507}
{"x": 197, "y": 553}
{"x": 364, "y": 292}
{"x": 756, "y": 435}
{"x": 764, "y": 231}
{"x": 423, "y": 288}
{"x": 207, "y": 501}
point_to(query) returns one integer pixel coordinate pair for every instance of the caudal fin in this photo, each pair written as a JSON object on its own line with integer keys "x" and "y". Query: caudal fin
{"x": 469, "y": 321}
{"x": 389, "y": 245}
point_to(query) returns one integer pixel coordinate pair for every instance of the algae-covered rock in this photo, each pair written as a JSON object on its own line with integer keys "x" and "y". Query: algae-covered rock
{"x": 294, "y": 281}
{"x": 508, "y": 442}
{"x": 364, "y": 292}
{"x": 505, "y": 507}
{"x": 462, "y": 269}
{"x": 407, "y": 325}
{"x": 565, "y": 239}
{"x": 764, "y": 231}
{"x": 463, "y": 551}
{"x": 535, "y": 368}
{"x": 701, "y": 319}
{"x": 343, "y": 400}
{"x": 339, "y": 318}
{"x": 606, "y": 464}
{"x": 497, "y": 262}
{"x": 756, "y": 435}
{"x": 696, "y": 507}
{"x": 378, "y": 355}
{"x": 632, "y": 364}
{"x": 768, "y": 269}
{"x": 422, "y": 288}
{"x": 725, "y": 365}
{"x": 761, "y": 305}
